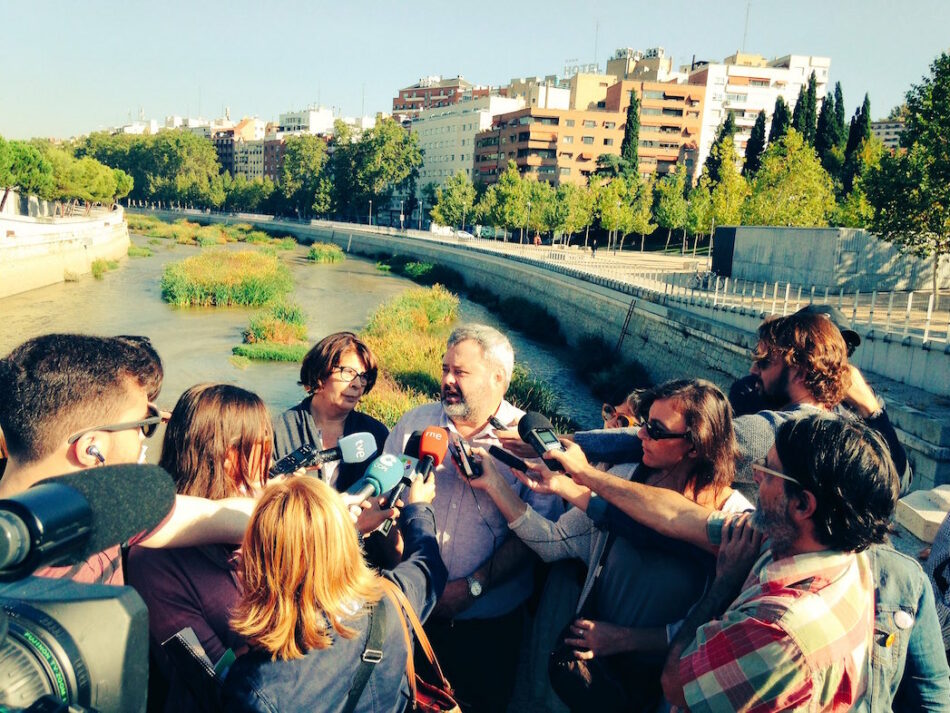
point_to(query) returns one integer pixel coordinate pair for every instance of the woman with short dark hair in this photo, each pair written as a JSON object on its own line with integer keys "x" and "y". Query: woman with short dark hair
{"x": 337, "y": 372}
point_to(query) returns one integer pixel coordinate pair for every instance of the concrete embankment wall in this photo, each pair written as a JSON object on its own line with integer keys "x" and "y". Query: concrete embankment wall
{"x": 672, "y": 338}
{"x": 39, "y": 252}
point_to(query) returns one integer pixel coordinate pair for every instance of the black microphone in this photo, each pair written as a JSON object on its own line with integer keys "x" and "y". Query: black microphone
{"x": 68, "y": 519}
{"x": 536, "y": 430}
{"x": 433, "y": 443}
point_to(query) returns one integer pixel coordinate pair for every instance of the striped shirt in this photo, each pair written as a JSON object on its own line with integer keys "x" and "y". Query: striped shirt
{"x": 796, "y": 638}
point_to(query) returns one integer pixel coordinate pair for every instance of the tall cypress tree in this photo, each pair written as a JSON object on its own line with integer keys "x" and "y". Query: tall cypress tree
{"x": 780, "y": 120}
{"x": 798, "y": 113}
{"x": 713, "y": 164}
{"x": 825, "y": 137}
{"x": 811, "y": 108}
{"x": 755, "y": 147}
{"x": 839, "y": 115}
{"x": 859, "y": 132}
{"x": 631, "y": 138}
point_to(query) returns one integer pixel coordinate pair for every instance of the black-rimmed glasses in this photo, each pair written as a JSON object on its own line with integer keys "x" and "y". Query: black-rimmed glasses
{"x": 147, "y": 425}
{"x": 657, "y": 432}
{"x": 348, "y": 374}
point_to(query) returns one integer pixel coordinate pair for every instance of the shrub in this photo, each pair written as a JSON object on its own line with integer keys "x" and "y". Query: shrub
{"x": 271, "y": 352}
{"x": 325, "y": 253}
{"x": 285, "y": 243}
{"x": 258, "y": 237}
{"x": 100, "y": 267}
{"x": 216, "y": 278}
{"x": 139, "y": 251}
{"x": 281, "y": 323}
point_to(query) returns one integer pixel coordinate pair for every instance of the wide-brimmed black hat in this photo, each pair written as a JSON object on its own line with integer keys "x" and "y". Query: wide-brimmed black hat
{"x": 837, "y": 318}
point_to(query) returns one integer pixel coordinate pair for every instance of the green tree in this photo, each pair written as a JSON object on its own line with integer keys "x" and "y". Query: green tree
{"x": 610, "y": 165}
{"x": 455, "y": 202}
{"x": 730, "y": 192}
{"x": 181, "y": 167}
{"x": 826, "y": 136}
{"x": 511, "y": 199}
{"x": 32, "y": 172}
{"x": 669, "y": 208}
{"x": 123, "y": 184}
{"x": 630, "y": 145}
{"x": 381, "y": 161}
{"x": 859, "y": 132}
{"x": 791, "y": 188}
{"x": 577, "y": 202}
{"x": 699, "y": 210}
{"x": 301, "y": 172}
{"x": 542, "y": 212}
{"x": 6, "y": 171}
{"x": 781, "y": 120}
{"x": 803, "y": 116}
{"x": 910, "y": 191}
{"x": 754, "y": 147}
{"x": 727, "y": 130}
{"x": 839, "y": 127}
{"x": 642, "y": 210}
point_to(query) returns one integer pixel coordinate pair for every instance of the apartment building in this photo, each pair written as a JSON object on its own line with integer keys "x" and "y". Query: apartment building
{"x": 249, "y": 159}
{"x": 542, "y": 92}
{"x": 745, "y": 84}
{"x": 651, "y": 65}
{"x": 447, "y": 135}
{"x": 434, "y": 92}
{"x": 307, "y": 121}
{"x": 554, "y": 145}
{"x": 889, "y": 132}
{"x": 670, "y": 123}
{"x": 274, "y": 148}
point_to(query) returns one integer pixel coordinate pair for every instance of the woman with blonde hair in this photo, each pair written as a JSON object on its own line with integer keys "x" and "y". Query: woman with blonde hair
{"x": 312, "y": 608}
{"x": 217, "y": 445}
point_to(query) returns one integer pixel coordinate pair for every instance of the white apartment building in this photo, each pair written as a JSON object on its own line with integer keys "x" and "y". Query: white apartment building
{"x": 889, "y": 132}
{"x": 447, "y": 135}
{"x": 249, "y": 159}
{"x": 542, "y": 93}
{"x": 744, "y": 85}
{"x": 310, "y": 121}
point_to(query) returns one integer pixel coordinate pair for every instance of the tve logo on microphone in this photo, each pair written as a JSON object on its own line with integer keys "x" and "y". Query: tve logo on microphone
{"x": 360, "y": 449}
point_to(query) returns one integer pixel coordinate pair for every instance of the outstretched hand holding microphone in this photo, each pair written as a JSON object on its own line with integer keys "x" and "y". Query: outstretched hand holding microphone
{"x": 433, "y": 444}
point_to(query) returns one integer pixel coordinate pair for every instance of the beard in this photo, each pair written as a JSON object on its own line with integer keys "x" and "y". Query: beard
{"x": 774, "y": 522}
{"x": 461, "y": 409}
{"x": 776, "y": 397}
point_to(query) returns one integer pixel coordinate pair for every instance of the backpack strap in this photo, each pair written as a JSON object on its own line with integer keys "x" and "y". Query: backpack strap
{"x": 372, "y": 655}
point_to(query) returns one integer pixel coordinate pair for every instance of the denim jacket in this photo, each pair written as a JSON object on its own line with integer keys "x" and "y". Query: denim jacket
{"x": 908, "y": 666}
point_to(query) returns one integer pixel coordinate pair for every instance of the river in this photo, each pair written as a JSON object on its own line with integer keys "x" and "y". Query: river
{"x": 195, "y": 343}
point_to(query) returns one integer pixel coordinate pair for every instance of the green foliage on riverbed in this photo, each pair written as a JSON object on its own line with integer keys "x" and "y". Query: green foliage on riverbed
{"x": 271, "y": 352}
{"x": 138, "y": 251}
{"x": 281, "y": 323}
{"x": 218, "y": 278}
{"x": 325, "y": 253}
{"x": 186, "y": 232}
{"x": 100, "y": 267}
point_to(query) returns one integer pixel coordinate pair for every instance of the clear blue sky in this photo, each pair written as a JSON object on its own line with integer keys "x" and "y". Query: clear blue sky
{"x": 67, "y": 68}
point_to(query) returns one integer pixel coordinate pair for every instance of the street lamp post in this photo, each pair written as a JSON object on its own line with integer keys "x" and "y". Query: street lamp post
{"x": 370, "y": 218}
{"x": 401, "y": 214}
{"x": 421, "y": 205}
{"x": 527, "y": 221}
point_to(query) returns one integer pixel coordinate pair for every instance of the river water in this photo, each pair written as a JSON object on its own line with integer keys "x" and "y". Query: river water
{"x": 195, "y": 343}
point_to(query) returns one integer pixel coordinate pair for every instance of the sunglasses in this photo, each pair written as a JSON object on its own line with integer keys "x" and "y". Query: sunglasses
{"x": 348, "y": 374}
{"x": 147, "y": 425}
{"x": 609, "y": 413}
{"x": 760, "y": 466}
{"x": 658, "y": 433}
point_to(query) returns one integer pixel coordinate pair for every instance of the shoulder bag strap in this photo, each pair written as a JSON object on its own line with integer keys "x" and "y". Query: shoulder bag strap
{"x": 372, "y": 654}
{"x": 393, "y": 590}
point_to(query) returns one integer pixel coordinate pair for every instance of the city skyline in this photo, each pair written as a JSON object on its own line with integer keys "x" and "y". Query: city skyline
{"x": 100, "y": 67}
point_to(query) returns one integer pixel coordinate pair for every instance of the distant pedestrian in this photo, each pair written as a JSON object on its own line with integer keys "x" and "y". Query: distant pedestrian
{"x": 593, "y": 249}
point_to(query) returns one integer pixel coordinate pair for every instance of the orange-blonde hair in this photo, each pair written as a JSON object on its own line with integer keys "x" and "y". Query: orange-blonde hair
{"x": 304, "y": 571}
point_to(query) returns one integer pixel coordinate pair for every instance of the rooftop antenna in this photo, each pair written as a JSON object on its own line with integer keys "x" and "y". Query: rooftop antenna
{"x": 745, "y": 32}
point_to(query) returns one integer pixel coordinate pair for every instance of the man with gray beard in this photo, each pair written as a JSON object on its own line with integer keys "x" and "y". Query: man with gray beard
{"x": 477, "y": 624}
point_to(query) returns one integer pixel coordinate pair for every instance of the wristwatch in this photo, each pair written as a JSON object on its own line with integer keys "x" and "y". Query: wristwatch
{"x": 474, "y": 586}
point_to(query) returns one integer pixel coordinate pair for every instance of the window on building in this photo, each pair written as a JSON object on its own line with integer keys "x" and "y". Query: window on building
{"x": 653, "y": 94}
{"x": 610, "y": 124}
{"x": 565, "y": 171}
{"x": 587, "y": 139}
{"x": 568, "y": 122}
{"x": 567, "y": 139}
{"x": 608, "y": 142}
{"x": 589, "y": 124}
{"x": 601, "y": 105}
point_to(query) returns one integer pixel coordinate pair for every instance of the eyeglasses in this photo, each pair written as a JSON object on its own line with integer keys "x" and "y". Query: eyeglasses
{"x": 348, "y": 373}
{"x": 657, "y": 432}
{"x": 762, "y": 467}
{"x": 147, "y": 425}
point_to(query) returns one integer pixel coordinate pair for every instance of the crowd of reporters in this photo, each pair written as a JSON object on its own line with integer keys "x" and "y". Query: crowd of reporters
{"x": 670, "y": 589}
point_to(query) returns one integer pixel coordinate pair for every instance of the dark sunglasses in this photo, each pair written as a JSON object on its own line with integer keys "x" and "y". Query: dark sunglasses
{"x": 608, "y": 412}
{"x": 147, "y": 425}
{"x": 658, "y": 433}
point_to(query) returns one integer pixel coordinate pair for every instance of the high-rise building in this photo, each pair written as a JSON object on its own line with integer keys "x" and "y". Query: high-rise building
{"x": 447, "y": 135}
{"x": 542, "y": 92}
{"x": 651, "y": 65}
{"x": 249, "y": 158}
{"x": 744, "y": 85}
{"x": 670, "y": 123}
{"x": 889, "y": 132}
{"x": 434, "y": 92}
{"x": 308, "y": 121}
{"x": 554, "y": 145}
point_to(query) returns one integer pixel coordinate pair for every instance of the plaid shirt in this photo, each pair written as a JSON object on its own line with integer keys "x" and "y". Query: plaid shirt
{"x": 797, "y": 637}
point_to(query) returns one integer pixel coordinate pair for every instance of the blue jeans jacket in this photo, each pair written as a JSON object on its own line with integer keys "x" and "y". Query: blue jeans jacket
{"x": 909, "y": 669}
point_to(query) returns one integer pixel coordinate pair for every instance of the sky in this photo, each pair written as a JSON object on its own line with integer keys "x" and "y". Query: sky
{"x": 69, "y": 68}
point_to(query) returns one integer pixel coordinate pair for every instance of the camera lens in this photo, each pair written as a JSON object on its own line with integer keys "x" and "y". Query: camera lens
{"x": 39, "y": 658}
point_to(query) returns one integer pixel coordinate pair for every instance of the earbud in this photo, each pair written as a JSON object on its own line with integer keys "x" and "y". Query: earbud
{"x": 94, "y": 451}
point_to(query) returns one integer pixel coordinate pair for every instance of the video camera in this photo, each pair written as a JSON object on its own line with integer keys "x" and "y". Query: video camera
{"x": 66, "y": 646}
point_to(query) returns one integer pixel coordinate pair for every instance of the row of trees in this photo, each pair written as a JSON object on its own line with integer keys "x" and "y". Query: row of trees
{"x": 53, "y": 173}
{"x": 317, "y": 178}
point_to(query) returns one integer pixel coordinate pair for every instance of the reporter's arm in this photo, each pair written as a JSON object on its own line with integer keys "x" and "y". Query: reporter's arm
{"x": 199, "y": 521}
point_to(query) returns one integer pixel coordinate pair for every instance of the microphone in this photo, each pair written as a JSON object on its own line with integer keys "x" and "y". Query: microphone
{"x": 382, "y": 475}
{"x": 355, "y": 448}
{"x": 536, "y": 430}
{"x": 68, "y": 519}
{"x": 433, "y": 444}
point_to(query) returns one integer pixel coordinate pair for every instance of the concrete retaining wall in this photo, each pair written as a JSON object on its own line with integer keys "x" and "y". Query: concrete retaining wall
{"x": 35, "y": 252}
{"x": 833, "y": 258}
